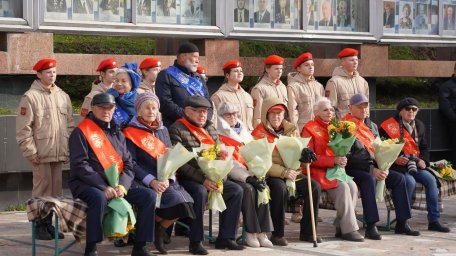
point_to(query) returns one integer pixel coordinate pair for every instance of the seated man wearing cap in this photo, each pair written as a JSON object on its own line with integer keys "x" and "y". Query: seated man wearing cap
{"x": 44, "y": 120}
{"x": 362, "y": 167}
{"x": 269, "y": 85}
{"x": 303, "y": 91}
{"x": 178, "y": 82}
{"x": 95, "y": 145}
{"x": 414, "y": 158}
{"x": 149, "y": 70}
{"x": 345, "y": 82}
{"x": 107, "y": 69}
{"x": 192, "y": 130}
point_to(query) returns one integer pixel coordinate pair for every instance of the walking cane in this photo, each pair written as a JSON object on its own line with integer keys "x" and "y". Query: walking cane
{"x": 307, "y": 156}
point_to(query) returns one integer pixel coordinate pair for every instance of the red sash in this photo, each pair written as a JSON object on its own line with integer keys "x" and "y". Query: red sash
{"x": 100, "y": 144}
{"x": 233, "y": 143}
{"x": 392, "y": 128}
{"x": 363, "y": 132}
{"x": 200, "y": 133}
{"x": 260, "y": 132}
{"x": 320, "y": 135}
{"x": 145, "y": 141}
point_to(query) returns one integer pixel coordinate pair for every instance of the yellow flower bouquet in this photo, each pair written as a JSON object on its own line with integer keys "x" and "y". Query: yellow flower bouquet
{"x": 443, "y": 170}
{"x": 216, "y": 162}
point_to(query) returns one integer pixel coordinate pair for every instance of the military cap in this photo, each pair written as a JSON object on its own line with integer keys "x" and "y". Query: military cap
{"x": 273, "y": 60}
{"x": 149, "y": 63}
{"x": 231, "y": 64}
{"x": 44, "y": 64}
{"x": 201, "y": 70}
{"x": 303, "y": 58}
{"x": 347, "y": 52}
{"x": 103, "y": 99}
{"x": 107, "y": 64}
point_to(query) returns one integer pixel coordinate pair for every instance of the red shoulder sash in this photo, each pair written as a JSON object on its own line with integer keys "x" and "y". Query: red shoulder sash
{"x": 145, "y": 141}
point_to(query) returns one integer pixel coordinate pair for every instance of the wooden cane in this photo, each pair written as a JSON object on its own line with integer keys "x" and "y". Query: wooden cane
{"x": 312, "y": 218}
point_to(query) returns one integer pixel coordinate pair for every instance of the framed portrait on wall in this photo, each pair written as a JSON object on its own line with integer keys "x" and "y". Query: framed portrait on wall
{"x": 343, "y": 15}
{"x": 326, "y": 15}
{"x": 262, "y": 15}
{"x": 196, "y": 12}
{"x": 166, "y": 11}
{"x": 113, "y": 10}
{"x": 242, "y": 13}
{"x": 449, "y": 25}
{"x": 144, "y": 10}
{"x": 405, "y": 21}
{"x": 83, "y": 9}
{"x": 57, "y": 9}
{"x": 282, "y": 12}
{"x": 389, "y": 16}
{"x": 311, "y": 14}
{"x": 426, "y": 17}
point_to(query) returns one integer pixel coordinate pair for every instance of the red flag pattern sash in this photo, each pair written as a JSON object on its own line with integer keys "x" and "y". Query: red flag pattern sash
{"x": 363, "y": 132}
{"x": 233, "y": 143}
{"x": 100, "y": 144}
{"x": 145, "y": 141}
{"x": 319, "y": 134}
{"x": 200, "y": 133}
{"x": 260, "y": 132}
{"x": 392, "y": 128}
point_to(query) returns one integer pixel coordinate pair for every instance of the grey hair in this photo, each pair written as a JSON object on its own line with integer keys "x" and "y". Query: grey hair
{"x": 227, "y": 107}
{"x": 121, "y": 71}
{"x": 320, "y": 101}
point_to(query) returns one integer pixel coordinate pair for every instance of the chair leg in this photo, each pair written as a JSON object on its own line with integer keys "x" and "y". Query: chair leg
{"x": 56, "y": 237}
{"x": 33, "y": 238}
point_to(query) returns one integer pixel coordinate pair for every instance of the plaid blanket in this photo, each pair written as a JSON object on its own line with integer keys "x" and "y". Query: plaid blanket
{"x": 71, "y": 213}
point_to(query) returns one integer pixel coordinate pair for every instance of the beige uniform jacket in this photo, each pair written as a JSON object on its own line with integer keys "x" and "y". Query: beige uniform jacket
{"x": 278, "y": 168}
{"x": 302, "y": 95}
{"x": 341, "y": 87}
{"x": 237, "y": 97}
{"x": 145, "y": 87}
{"x": 263, "y": 90}
{"x": 96, "y": 89}
{"x": 44, "y": 123}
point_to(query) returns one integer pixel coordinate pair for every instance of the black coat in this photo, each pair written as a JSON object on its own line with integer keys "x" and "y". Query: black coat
{"x": 447, "y": 99}
{"x": 173, "y": 96}
{"x": 85, "y": 169}
{"x": 359, "y": 157}
{"x": 422, "y": 144}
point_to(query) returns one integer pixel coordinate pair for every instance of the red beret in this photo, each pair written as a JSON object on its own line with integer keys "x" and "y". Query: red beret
{"x": 200, "y": 70}
{"x": 231, "y": 64}
{"x": 303, "y": 58}
{"x": 273, "y": 60}
{"x": 347, "y": 52}
{"x": 149, "y": 63}
{"x": 280, "y": 107}
{"x": 107, "y": 64}
{"x": 44, "y": 64}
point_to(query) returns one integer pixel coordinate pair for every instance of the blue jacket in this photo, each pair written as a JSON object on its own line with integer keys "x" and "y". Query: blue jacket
{"x": 173, "y": 96}
{"x": 85, "y": 169}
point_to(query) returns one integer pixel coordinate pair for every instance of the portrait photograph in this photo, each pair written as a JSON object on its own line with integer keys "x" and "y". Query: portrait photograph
{"x": 57, "y": 9}
{"x": 422, "y": 17}
{"x": 389, "y": 14}
{"x": 262, "y": 14}
{"x": 325, "y": 14}
{"x": 448, "y": 17}
{"x": 143, "y": 7}
{"x": 297, "y": 14}
{"x": 282, "y": 11}
{"x": 195, "y": 12}
{"x": 83, "y": 6}
{"x": 241, "y": 11}
{"x": 166, "y": 11}
{"x": 405, "y": 17}
{"x": 311, "y": 14}
{"x": 343, "y": 14}
{"x": 111, "y": 10}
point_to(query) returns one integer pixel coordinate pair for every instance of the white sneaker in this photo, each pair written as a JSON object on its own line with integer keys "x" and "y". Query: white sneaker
{"x": 252, "y": 240}
{"x": 264, "y": 240}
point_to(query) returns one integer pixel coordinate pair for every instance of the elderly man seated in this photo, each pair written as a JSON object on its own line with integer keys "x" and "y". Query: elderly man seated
{"x": 362, "y": 167}
{"x": 95, "y": 145}
{"x": 192, "y": 130}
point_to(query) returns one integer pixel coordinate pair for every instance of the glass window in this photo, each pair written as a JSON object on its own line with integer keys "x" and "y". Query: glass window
{"x": 410, "y": 17}
{"x": 11, "y": 8}
{"x": 89, "y": 10}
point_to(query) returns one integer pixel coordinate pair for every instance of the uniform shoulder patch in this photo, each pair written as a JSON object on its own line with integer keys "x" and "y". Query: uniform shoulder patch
{"x": 254, "y": 102}
{"x": 23, "y": 111}
{"x": 84, "y": 112}
{"x": 327, "y": 93}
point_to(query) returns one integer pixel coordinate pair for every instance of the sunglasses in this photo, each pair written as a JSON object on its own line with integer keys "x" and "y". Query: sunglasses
{"x": 411, "y": 108}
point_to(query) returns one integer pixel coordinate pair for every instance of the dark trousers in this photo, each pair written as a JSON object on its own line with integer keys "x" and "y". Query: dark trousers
{"x": 142, "y": 198}
{"x": 279, "y": 199}
{"x": 256, "y": 218}
{"x": 451, "y": 125}
{"x": 367, "y": 183}
{"x": 229, "y": 218}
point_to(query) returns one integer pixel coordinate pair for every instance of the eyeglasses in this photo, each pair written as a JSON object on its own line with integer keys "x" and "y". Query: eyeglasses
{"x": 199, "y": 110}
{"x": 411, "y": 108}
{"x": 230, "y": 114}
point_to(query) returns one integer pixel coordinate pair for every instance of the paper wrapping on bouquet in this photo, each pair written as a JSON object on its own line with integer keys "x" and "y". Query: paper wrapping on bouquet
{"x": 168, "y": 163}
{"x": 216, "y": 170}
{"x": 290, "y": 149}
{"x": 385, "y": 155}
{"x": 443, "y": 170}
{"x": 118, "y": 213}
{"x": 258, "y": 158}
{"x": 340, "y": 147}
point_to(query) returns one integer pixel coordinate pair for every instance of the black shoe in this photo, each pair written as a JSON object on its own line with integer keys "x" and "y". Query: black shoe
{"x": 436, "y": 226}
{"x": 51, "y": 230}
{"x": 159, "y": 234}
{"x": 92, "y": 253}
{"x": 166, "y": 238}
{"x": 372, "y": 233}
{"x": 310, "y": 239}
{"x": 228, "y": 244}
{"x": 404, "y": 228}
{"x": 197, "y": 248}
{"x": 142, "y": 251}
{"x": 354, "y": 236}
{"x": 338, "y": 233}
{"x": 41, "y": 232}
{"x": 279, "y": 241}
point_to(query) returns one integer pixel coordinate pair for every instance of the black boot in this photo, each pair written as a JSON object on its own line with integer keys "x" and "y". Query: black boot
{"x": 159, "y": 238}
{"x": 402, "y": 227}
{"x": 372, "y": 232}
{"x": 51, "y": 230}
{"x": 436, "y": 226}
{"x": 41, "y": 232}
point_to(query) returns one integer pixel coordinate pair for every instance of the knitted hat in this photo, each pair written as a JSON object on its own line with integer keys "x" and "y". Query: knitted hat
{"x": 145, "y": 97}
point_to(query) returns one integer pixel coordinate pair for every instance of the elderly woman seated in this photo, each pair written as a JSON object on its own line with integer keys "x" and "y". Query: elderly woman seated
{"x": 343, "y": 194}
{"x": 257, "y": 219}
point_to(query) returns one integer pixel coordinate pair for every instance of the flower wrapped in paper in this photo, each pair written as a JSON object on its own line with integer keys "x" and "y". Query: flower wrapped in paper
{"x": 385, "y": 153}
{"x": 443, "y": 170}
{"x": 258, "y": 158}
{"x": 168, "y": 163}
{"x": 119, "y": 218}
{"x": 290, "y": 149}
{"x": 216, "y": 162}
{"x": 342, "y": 137}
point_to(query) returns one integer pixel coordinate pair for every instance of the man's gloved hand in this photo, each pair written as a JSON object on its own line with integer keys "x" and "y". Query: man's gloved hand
{"x": 257, "y": 184}
{"x": 307, "y": 156}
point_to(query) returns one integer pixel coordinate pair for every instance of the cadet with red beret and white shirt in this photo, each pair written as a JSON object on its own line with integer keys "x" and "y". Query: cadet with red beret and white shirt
{"x": 303, "y": 91}
{"x": 43, "y": 124}
{"x": 345, "y": 82}
{"x": 107, "y": 69}
{"x": 268, "y": 86}
{"x": 149, "y": 70}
